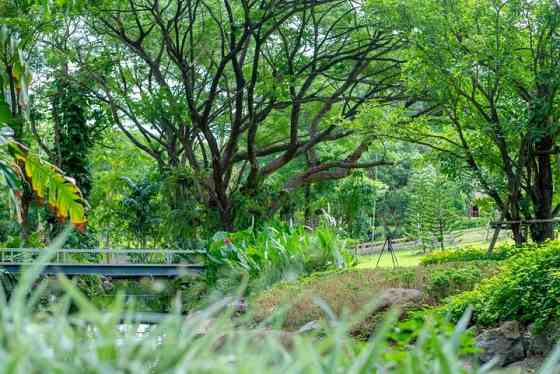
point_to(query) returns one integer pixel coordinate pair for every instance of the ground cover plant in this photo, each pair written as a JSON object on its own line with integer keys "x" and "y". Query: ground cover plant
{"x": 474, "y": 253}
{"x": 526, "y": 289}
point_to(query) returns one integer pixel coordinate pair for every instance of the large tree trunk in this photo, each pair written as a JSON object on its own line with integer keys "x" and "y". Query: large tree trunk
{"x": 25, "y": 222}
{"x": 227, "y": 219}
{"x": 514, "y": 215}
{"x": 517, "y": 232}
{"x": 542, "y": 191}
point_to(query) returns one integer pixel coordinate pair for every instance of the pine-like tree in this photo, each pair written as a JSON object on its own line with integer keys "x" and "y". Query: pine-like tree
{"x": 432, "y": 212}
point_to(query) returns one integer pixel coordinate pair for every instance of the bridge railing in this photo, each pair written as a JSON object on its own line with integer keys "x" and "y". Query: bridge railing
{"x": 100, "y": 256}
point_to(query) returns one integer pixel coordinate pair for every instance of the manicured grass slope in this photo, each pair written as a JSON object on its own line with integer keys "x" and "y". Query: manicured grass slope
{"x": 405, "y": 258}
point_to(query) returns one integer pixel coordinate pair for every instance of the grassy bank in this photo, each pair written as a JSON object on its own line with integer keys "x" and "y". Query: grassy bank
{"x": 350, "y": 290}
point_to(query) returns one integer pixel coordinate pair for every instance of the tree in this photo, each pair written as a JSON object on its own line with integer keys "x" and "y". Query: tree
{"x": 431, "y": 211}
{"x": 65, "y": 121}
{"x": 25, "y": 173}
{"x": 29, "y": 176}
{"x": 111, "y": 160}
{"x": 237, "y": 90}
{"x": 138, "y": 209}
{"x": 487, "y": 74}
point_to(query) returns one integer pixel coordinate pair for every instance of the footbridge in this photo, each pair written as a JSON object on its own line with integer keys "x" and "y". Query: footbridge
{"x": 114, "y": 263}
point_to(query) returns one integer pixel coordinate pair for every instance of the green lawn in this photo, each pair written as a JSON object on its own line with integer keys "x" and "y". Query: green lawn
{"x": 405, "y": 258}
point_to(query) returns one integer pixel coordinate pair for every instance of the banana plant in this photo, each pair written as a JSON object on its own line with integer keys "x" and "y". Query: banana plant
{"x": 19, "y": 165}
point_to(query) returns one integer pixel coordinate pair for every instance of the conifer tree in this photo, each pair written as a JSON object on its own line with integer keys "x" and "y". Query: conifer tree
{"x": 432, "y": 213}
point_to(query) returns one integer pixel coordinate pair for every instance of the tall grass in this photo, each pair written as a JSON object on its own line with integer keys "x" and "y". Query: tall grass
{"x": 210, "y": 341}
{"x": 92, "y": 341}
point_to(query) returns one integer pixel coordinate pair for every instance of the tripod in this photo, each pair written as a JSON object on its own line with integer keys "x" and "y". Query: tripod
{"x": 389, "y": 246}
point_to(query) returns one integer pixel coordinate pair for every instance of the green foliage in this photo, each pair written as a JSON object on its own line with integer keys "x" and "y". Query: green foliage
{"x": 352, "y": 201}
{"x": 277, "y": 254}
{"x": 434, "y": 207}
{"x": 76, "y": 126}
{"x": 464, "y": 254}
{"x": 491, "y": 99}
{"x": 408, "y": 331}
{"x": 527, "y": 289}
{"x": 110, "y": 162}
{"x": 91, "y": 340}
{"x": 139, "y": 210}
{"x": 448, "y": 280}
{"x": 49, "y": 184}
{"x": 463, "y": 223}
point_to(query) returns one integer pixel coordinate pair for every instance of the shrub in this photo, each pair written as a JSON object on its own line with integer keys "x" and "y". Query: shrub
{"x": 448, "y": 280}
{"x": 471, "y": 253}
{"x": 405, "y": 333}
{"x": 271, "y": 255}
{"x": 527, "y": 289}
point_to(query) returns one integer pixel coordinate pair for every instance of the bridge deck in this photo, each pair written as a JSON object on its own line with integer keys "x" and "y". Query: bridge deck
{"x": 112, "y": 270}
{"x": 122, "y": 263}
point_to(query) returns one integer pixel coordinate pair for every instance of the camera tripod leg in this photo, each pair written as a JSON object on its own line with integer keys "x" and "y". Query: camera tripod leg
{"x": 381, "y": 254}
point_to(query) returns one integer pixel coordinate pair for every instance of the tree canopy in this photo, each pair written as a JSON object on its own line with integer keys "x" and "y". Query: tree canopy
{"x": 251, "y": 111}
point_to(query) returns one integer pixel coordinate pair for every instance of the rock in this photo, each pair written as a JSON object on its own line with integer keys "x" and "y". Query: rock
{"x": 510, "y": 329}
{"x": 528, "y": 365}
{"x": 535, "y": 344}
{"x": 398, "y": 296}
{"x": 107, "y": 283}
{"x": 503, "y": 343}
{"x": 543, "y": 342}
{"x": 239, "y": 306}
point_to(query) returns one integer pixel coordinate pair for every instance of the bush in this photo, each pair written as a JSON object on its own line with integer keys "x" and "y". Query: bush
{"x": 472, "y": 253}
{"x": 272, "y": 255}
{"x": 527, "y": 289}
{"x": 405, "y": 333}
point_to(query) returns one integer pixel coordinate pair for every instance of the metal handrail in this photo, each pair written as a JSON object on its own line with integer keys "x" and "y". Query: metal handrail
{"x": 10, "y": 255}
{"x": 106, "y": 250}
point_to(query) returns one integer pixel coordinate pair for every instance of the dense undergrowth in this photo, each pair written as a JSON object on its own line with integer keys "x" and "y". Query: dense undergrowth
{"x": 93, "y": 341}
{"x": 274, "y": 254}
{"x": 526, "y": 289}
{"x": 73, "y": 333}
